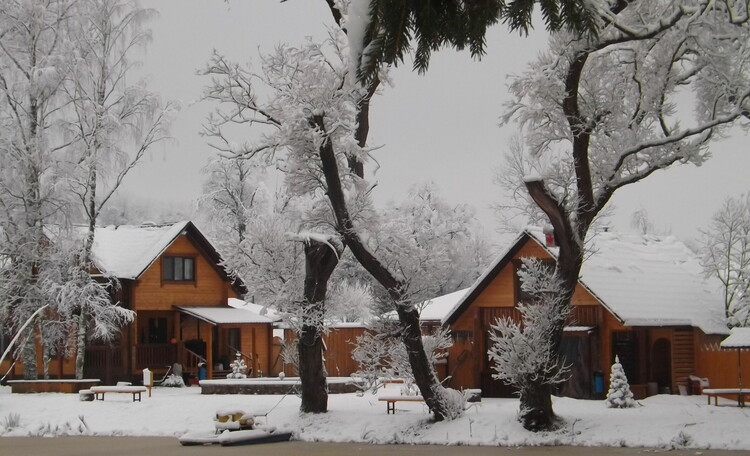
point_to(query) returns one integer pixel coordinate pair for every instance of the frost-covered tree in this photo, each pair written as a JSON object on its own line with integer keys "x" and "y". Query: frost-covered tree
{"x": 33, "y": 49}
{"x": 232, "y": 190}
{"x": 380, "y": 354}
{"x": 523, "y": 353}
{"x": 619, "y": 394}
{"x": 437, "y": 244}
{"x": 312, "y": 121}
{"x": 602, "y": 112}
{"x": 286, "y": 262}
{"x": 112, "y": 123}
{"x": 725, "y": 248}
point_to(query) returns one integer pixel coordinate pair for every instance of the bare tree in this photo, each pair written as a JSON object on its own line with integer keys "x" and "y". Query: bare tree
{"x": 600, "y": 112}
{"x": 112, "y": 124}
{"x": 725, "y": 248}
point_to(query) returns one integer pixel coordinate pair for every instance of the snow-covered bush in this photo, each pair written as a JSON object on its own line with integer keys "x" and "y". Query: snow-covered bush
{"x": 380, "y": 354}
{"x": 173, "y": 381}
{"x": 290, "y": 354}
{"x": 13, "y": 420}
{"x": 239, "y": 368}
{"x": 523, "y": 353}
{"x": 619, "y": 394}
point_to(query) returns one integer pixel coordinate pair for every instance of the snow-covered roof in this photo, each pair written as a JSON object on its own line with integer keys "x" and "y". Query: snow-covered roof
{"x": 224, "y": 315}
{"x": 126, "y": 251}
{"x": 256, "y": 308}
{"x": 738, "y": 338}
{"x": 642, "y": 280}
{"x": 652, "y": 281}
{"x": 438, "y": 308}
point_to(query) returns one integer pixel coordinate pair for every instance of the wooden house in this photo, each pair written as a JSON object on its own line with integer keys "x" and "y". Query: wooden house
{"x": 172, "y": 277}
{"x": 642, "y": 298}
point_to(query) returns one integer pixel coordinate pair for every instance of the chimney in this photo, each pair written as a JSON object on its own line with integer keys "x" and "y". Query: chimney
{"x": 549, "y": 236}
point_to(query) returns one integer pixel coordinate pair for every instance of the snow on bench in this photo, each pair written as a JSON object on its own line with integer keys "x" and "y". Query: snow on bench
{"x": 134, "y": 390}
{"x": 391, "y": 400}
{"x": 716, "y": 392}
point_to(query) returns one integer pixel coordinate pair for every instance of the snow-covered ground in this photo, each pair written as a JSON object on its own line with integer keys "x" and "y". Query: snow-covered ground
{"x": 662, "y": 421}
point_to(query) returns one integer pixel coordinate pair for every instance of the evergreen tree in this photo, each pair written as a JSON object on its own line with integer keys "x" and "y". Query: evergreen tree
{"x": 619, "y": 394}
{"x": 394, "y": 27}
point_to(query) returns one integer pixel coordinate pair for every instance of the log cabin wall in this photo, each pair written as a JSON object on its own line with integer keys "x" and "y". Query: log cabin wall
{"x": 150, "y": 292}
{"x": 339, "y": 344}
{"x": 467, "y": 359}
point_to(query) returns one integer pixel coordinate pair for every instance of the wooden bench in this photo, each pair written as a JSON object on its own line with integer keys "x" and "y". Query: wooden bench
{"x": 390, "y": 401}
{"x": 716, "y": 392}
{"x": 134, "y": 390}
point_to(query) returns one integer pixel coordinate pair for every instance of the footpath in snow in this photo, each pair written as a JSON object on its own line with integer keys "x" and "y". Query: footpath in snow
{"x": 662, "y": 421}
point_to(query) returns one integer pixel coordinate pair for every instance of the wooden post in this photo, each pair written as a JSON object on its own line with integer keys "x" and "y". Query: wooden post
{"x": 209, "y": 354}
{"x": 739, "y": 368}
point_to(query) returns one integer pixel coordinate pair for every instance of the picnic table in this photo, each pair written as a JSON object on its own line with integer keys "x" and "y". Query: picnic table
{"x": 136, "y": 391}
{"x": 716, "y": 392}
{"x": 391, "y": 400}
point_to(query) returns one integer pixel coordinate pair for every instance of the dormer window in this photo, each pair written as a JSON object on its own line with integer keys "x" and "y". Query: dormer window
{"x": 178, "y": 269}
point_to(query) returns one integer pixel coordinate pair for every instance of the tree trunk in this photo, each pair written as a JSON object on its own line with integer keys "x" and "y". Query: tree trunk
{"x": 28, "y": 355}
{"x": 536, "y": 407}
{"x": 424, "y": 375}
{"x": 81, "y": 342}
{"x": 312, "y": 371}
{"x": 320, "y": 261}
{"x": 421, "y": 368}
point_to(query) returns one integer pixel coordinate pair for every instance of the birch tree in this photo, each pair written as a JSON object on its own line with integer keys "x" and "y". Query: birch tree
{"x": 33, "y": 49}
{"x": 112, "y": 123}
{"x": 725, "y": 249}
{"x": 602, "y": 112}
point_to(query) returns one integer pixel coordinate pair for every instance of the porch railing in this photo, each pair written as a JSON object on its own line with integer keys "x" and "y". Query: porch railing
{"x": 155, "y": 355}
{"x": 100, "y": 356}
{"x": 191, "y": 361}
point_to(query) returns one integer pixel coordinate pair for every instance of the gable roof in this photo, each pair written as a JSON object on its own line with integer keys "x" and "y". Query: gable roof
{"x": 127, "y": 251}
{"x": 642, "y": 280}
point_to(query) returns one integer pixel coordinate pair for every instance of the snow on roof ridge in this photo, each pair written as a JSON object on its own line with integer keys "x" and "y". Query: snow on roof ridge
{"x": 640, "y": 279}
{"x": 128, "y": 250}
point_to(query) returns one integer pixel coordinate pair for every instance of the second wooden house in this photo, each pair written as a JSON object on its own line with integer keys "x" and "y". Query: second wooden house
{"x": 642, "y": 298}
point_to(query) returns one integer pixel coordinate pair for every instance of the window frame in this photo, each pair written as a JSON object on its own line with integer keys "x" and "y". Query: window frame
{"x": 173, "y": 259}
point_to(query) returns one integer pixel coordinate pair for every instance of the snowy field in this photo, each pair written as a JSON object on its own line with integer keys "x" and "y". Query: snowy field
{"x": 662, "y": 421}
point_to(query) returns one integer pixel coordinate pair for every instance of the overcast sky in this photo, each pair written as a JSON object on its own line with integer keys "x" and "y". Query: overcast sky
{"x": 441, "y": 126}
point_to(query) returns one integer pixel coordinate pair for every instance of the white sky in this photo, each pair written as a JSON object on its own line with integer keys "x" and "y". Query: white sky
{"x": 442, "y": 126}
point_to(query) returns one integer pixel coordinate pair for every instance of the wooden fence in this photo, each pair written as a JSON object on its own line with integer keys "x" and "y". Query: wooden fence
{"x": 722, "y": 367}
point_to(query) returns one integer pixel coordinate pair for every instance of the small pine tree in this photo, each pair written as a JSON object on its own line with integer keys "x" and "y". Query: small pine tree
{"x": 238, "y": 367}
{"x": 619, "y": 394}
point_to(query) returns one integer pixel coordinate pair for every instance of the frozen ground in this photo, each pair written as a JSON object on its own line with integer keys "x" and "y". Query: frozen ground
{"x": 662, "y": 421}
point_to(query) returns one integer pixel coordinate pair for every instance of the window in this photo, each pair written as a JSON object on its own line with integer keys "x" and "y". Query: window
{"x": 180, "y": 269}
